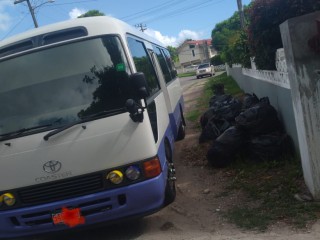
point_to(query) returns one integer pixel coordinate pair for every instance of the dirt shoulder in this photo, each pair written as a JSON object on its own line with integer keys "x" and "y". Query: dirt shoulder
{"x": 203, "y": 197}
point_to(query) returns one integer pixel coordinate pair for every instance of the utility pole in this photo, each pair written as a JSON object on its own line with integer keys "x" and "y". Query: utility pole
{"x": 240, "y": 9}
{"x": 142, "y": 27}
{"x": 31, "y": 9}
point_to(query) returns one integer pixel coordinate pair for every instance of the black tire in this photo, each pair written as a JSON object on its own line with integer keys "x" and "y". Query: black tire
{"x": 198, "y": 77}
{"x": 182, "y": 128}
{"x": 170, "y": 191}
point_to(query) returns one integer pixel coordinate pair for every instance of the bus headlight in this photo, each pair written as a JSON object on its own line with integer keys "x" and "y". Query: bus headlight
{"x": 8, "y": 199}
{"x": 133, "y": 173}
{"x": 116, "y": 177}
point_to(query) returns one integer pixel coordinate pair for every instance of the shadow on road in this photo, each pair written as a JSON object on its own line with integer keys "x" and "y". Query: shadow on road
{"x": 124, "y": 230}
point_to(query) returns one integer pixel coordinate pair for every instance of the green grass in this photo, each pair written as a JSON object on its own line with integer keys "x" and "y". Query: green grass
{"x": 230, "y": 87}
{"x": 269, "y": 187}
{"x": 273, "y": 185}
{"x": 189, "y": 74}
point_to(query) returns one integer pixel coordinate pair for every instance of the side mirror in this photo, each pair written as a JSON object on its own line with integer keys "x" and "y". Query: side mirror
{"x": 135, "y": 110}
{"x": 139, "y": 84}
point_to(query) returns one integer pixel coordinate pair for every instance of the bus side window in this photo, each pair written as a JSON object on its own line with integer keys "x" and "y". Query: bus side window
{"x": 163, "y": 64}
{"x": 143, "y": 64}
{"x": 170, "y": 63}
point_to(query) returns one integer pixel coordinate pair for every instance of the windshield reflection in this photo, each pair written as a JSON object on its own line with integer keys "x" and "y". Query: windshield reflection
{"x": 60, "y": 85}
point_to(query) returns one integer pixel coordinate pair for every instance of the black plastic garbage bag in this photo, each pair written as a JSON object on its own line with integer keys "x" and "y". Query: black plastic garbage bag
{"x": 250, "y": 100}
{"x": 233, "y": 137}
{"x": 260, "y": 119}
{"x": 230, "y": 110}
{"x": 218, "y": 155}
{"x": 224, "y": 107}
{"x": 226, "y": 146}
{"x": 218, "y": 89}
{"x": 269, "y": 147}
{"x": 213, "y": 129}
{"x": 205, "y": 117}
{"x": 219, "y": 100}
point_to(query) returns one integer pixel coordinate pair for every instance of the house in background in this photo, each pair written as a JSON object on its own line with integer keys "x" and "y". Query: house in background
{"x": 195, "y": 52}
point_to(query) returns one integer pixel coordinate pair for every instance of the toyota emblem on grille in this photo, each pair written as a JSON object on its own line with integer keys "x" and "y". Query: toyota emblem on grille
{"x": 52, "y": 166}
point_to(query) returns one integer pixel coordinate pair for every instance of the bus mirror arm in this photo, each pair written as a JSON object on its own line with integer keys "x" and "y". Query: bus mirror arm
{"x": 135, "y": 110}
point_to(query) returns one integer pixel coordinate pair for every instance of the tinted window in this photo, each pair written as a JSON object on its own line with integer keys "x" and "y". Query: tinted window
{"x": 204, "y": 66}
{"x": 62, "y": 84}
{"x": 163, "y": 64}
{"x": 152, "y": 111}
{"x": 143, "y": 64}
{"x": 170, "y": 63}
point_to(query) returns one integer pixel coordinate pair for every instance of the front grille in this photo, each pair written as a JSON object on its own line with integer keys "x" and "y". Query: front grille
{"x": 87, "y": 208}
{"x": 62, "y": 189}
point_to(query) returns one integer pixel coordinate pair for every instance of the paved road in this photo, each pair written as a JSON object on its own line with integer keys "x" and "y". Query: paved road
{"x": 187, "y": 82}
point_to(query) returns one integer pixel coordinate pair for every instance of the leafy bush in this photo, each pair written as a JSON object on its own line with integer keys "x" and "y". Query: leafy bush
{"x": 264, "y": 17}
{"x": 231, "y": 41}
{"x": 216, "y": 60}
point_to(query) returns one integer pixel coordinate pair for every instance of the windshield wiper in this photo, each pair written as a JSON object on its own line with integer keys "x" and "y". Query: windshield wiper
{"x": 20, "y": 131}
{"x": 84, "y": 119}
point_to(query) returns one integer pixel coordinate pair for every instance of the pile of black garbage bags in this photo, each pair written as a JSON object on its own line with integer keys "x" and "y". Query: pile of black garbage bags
{"x": 250, "y": 127}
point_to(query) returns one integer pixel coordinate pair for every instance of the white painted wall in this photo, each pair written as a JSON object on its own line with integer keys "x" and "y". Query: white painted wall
{"x": 303, "y": 62}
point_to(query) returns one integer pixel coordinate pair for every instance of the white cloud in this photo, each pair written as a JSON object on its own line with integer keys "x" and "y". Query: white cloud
{"x": 165, "y": 40}
{"x": 76, "y": 12}
{"x": 188, "y": 34}
{"x": 174, "y": 41}
{"x": 5, "y": 19}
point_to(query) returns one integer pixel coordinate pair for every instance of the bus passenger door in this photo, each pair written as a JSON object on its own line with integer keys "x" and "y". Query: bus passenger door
{"x": 171, "y": 87}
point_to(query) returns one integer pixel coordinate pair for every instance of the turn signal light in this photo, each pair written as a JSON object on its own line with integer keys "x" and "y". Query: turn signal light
{"x": 152, "y": 168}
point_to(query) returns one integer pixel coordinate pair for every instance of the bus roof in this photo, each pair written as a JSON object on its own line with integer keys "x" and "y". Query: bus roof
{"x": 91, "y": 26}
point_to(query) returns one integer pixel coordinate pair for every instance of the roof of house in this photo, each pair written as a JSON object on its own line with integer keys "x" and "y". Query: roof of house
{"x": 199, "y": 42}
{"x": 196, "y": 42}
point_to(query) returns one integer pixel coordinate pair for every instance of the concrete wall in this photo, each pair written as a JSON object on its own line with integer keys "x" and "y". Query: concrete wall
{"x": 280, "y": 99}
{"x": 301, "y": 41}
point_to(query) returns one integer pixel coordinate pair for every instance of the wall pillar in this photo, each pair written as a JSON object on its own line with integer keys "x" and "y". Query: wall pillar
{"x": 301, "y": 41}
{"x": 227, "y": 69}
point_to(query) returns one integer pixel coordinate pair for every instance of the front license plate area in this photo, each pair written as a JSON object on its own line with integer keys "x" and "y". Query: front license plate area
{"x": 68, "y": 217}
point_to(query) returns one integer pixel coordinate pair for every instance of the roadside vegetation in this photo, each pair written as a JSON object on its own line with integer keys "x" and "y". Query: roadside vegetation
{"x": 274, "y": 190}
{"x": 260, "y": 38}
{"x": 188, "y": 74}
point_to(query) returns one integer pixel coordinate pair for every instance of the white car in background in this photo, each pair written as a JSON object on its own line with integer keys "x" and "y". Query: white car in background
{"x": 204, "y": 69}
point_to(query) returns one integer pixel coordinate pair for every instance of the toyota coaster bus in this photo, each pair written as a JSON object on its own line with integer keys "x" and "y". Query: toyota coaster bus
{"x": 89, "y": 112}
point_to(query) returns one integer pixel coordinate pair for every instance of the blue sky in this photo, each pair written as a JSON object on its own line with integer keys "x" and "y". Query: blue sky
{"x": 170, "y": 21}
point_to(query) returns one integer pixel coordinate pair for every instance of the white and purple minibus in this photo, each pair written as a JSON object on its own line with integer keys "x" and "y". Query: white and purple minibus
{"x": 89, "y": 112}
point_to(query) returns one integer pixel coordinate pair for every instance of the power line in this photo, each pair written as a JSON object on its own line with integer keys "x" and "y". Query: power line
{"x": 14, "y": 27}
{"x": 59, "y": 4}
{"x": 184, "y": 10}
{"x": 151, "y": 10}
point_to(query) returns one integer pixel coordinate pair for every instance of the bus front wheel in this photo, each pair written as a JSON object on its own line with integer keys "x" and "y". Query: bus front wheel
{"x": 170, "y": 191}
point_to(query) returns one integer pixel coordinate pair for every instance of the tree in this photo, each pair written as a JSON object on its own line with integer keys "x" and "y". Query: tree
{"x": 173, "y": 53}
{"x": 230, "y": 41}
{"x": 216, "y": 60}
{"x": 265, "y": 16}
{"x": 92, "y": 13}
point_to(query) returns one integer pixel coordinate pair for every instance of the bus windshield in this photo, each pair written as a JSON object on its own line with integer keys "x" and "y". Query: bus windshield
{"x": 62, "y": 84}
